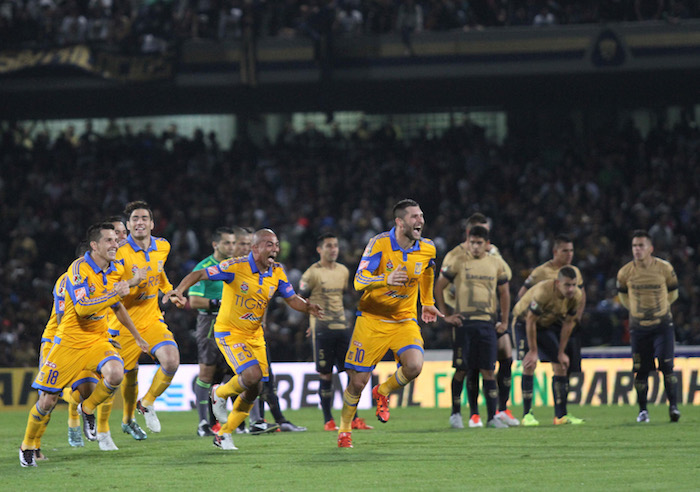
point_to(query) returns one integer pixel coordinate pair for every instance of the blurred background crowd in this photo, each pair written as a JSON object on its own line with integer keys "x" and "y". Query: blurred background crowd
{"x": 310, "y": 181}
{"x": 157, "y": 25}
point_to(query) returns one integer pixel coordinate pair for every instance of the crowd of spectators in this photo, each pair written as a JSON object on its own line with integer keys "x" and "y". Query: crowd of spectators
{"x": 156, "y": 25}
{"x": 307, "y": 182}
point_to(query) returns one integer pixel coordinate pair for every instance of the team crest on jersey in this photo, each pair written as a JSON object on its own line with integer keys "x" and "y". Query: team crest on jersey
{"x": 160, "y": 266}
{"x": 77, "y": 279}
{"x": 389, "y": 266}
{"x": 244, "y": 288}
{"x": 271, "y": 292}
{"x": 419, "y": 267}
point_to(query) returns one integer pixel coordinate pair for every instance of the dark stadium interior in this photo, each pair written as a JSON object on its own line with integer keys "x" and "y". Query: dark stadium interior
{"x": 571, "y": 162}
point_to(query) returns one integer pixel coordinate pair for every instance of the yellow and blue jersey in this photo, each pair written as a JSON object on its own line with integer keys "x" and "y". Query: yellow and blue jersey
{"x": 90, "y": 295}
{"x": 142, "y": 301}
{"x": 382, "y": 256}
{"x": 59, "y": 306}
{"x": 246, "y": 293}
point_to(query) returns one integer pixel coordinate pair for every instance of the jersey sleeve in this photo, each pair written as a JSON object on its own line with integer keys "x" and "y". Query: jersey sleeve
{"x": 165, "y": 285}
{"x": 671, "y": 278}
{"x": 622, "y": 280}
{"x": 427, "y": 284}
{"x": 307, "y": 283}
{"x": 285, "y": 289}
{"x": 223, "y": 271}
{"x": 59, "y": 295}
{"x": 448, "y": 269}
{"x": 79, "y": 290}
{"x": 366, "y": 277}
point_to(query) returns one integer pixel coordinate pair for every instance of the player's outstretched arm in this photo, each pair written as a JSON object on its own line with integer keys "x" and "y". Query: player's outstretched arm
{"x": 303, "y": 306}
{"x": 176, "y": 295}
{"x": 124, "y": 318}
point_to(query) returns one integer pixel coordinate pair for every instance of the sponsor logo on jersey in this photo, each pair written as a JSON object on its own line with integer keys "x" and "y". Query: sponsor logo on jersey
{"x": 357, "y": 344}
{"x": 303, "y": 285}
{"x": 50, "y": 364}
{"x": 534, "y": 306}
{"x": 250, "y": 317}
{"x": 61, "y": 306}
{"x": 395, "y": 295}
{"x": 364, "y": 264}
{"x": 61, "y": 292}
{"x": 288, "y": 289}
{"x": 212, "y": 270}
{"x": 244, "y": 288}
{"x": 80, "y": 293}
{"x": 77, "y": 279}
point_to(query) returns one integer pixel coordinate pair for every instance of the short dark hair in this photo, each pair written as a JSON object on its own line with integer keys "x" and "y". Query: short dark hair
{"x": 82, "y": 247}
{"x": 641, "y": 233}
{"x": 479, "y": 231}
{"x": 402, "y": 205}
{"x": 567, "y": 272}
{"x": 94, "y": 232}
{"x": 476, "y": 219}
{"x": 560, "y": 239}
{"x": 115, "y": 218}
{"x": 216, "y": 236}
{"x": 324, "y": 236}
{"x": 131, "y": 206}
{"x": 243, "y": 231}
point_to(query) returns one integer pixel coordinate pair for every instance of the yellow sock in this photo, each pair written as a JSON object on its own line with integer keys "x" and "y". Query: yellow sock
{"x": 42, "y": 429}
{"x": 241, "y": 409}
{"x": 348, "y": 412}
{"x": 103, "y": 413}
{"x": 160, "y": 383}
{"x": 232, "y": 388}
{"x": 69, "y": 396}
{"x": 35, "y": 422}
{"x": 395, "y": 381}
{"x": 101, "y": 392}
{"x": 130, "y": 393}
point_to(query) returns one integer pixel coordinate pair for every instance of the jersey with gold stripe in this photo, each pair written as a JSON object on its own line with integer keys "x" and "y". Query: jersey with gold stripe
{"x": 457, "y": 255}
{"x": 142, "y": 301}
{"x": 247, "y": 292}
{"x": 648, "y": 289}
{"x": 90, "y": 294}
{"x": 545, "y": 301}
{"x": 325, "y": 287}
{"x": 475, "y": 281}
{"x": 548, "y": 271}
{"x": 59, "y": 305}
{"x": 382, "y": 256}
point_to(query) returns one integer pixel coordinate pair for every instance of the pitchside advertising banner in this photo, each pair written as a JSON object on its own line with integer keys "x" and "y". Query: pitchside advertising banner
{"x": 603, "y": 382}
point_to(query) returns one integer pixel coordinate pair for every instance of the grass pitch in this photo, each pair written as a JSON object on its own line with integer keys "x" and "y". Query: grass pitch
{"x": 415, "y": 450}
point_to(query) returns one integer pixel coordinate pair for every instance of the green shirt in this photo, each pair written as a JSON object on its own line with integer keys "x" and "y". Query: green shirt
{"x": 209, "y": 289}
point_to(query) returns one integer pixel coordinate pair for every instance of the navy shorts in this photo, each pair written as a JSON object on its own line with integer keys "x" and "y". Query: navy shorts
{"x": 475, "y": 346}
{"x": 650, "y": 343}
{"x": 547, "y": 341}
{"x": 330, "y": 347}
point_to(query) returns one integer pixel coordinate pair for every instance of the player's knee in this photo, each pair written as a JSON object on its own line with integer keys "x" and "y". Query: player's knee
{"x": 252, "y": 376}
{"x": 459, "y": 375}
{"x": 47, "y": 401}
{"x": 666, "y": 367}
{"x": 412, "y": 369}
{"x": 357, "y": 382}
{"x": 114, "y": 378}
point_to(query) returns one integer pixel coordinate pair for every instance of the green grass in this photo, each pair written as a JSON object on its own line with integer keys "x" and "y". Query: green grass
{"x": 414, "y": 451}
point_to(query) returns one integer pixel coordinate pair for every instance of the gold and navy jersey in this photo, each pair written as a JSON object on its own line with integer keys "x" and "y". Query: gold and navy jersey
{"x": 475, "y": 281}
{"x": 246, "y": 293}
{"x": 548, "y": 271}
{"x": 59, "y": 307}
{"x": 90, "y": 294}
{"x": 325, "y": 287}
{"x": 142, "y": 301}
{"x": 648, "y": 290}
{"x": 546, "y": 302}
{"x": 382, "y": 256}
{"x": 457, "y": 255}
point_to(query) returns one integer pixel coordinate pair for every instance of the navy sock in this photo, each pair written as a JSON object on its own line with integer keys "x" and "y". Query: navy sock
{"x": 528, "y": 382}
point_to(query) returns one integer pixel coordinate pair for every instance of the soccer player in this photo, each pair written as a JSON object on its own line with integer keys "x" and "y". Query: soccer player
{"x": 324, "y": 283}
{"x": 249, "y": 284}
{"x": 444, "y": 298}
{"x": 93, "y": 285}
{"x": 647, "y": 287}
{"x": 205, "y": 296}
{"x": 480, "y": 281}
{"x": 395, "y": 267}
{"x": 543, "y": 319}
{"x": 143, "y": 251}
{"x": 562, "y": 255}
